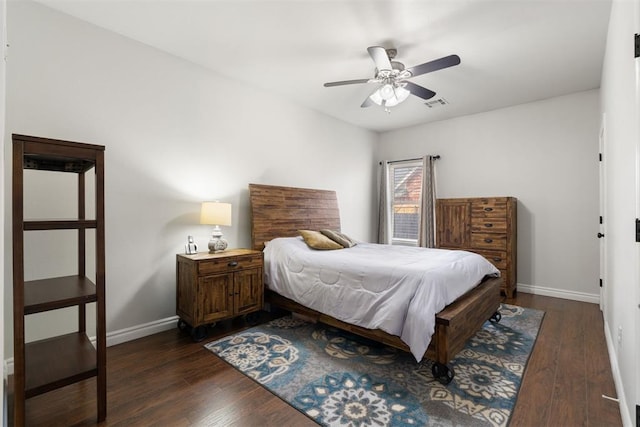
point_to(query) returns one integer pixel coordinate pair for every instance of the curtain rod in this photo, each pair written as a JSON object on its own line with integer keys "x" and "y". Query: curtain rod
{"x": 436, "y": 157}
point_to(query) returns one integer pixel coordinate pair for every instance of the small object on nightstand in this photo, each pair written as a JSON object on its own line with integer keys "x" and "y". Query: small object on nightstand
{"x": 190, "y": 248}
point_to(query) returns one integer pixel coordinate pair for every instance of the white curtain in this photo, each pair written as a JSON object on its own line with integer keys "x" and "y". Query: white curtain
{"x": 384, "y": 208}
{"x": 426, "y": 235}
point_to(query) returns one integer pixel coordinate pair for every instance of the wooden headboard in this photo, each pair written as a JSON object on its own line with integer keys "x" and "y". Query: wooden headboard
{"x": 282, "y": 211}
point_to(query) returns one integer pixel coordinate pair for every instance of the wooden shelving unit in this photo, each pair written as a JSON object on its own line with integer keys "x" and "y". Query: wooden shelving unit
{"x": 55, "y": 362}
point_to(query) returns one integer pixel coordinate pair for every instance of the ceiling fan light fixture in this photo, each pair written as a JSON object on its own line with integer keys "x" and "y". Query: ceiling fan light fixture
{"x": 401, "y": 94}
{"x": 387, "y": 92}
{"x": 389, "y": 96}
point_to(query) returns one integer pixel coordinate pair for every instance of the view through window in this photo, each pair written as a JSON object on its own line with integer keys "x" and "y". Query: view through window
{"x": 405, "y": 210}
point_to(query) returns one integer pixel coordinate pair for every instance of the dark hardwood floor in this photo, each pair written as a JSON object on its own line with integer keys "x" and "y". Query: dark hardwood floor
{"x": 168, "y": 380}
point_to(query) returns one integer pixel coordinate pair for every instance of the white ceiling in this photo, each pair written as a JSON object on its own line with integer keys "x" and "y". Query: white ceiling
{"x": 512, "y": 51}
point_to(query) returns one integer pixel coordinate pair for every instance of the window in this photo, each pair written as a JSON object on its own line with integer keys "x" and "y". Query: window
{"x": 406, "y": 187}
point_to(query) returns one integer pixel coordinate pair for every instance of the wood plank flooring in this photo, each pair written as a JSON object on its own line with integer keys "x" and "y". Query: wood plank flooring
{"x": 168, "y": 380}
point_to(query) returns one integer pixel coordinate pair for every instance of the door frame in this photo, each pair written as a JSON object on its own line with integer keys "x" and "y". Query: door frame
{"x": 602, "y": 227}
{"x": 636, "y": 25}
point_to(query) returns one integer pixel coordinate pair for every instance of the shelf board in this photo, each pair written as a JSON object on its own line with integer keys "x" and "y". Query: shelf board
{"x": 56, "y": 362}
{"x": 59, "y": 224}
{"x": 57, "y": 164}
{"x": 58, "y": 292}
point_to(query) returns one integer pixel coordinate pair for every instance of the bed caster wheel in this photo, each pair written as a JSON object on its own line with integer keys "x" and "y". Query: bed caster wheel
{"x": 443, "y": 373}
{"x": 182, "y": 325}
{"x": 199, "y": 333}
{"x": 252, "y": 318}
{"x": 496, "y": 317}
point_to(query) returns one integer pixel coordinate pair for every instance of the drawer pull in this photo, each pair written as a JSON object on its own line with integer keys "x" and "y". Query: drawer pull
{"x": 233, "y": 264}
{"x": 488, "y": 240}
{"x": 496, "y": 259}
{"x": 488, "y": 209}
{"x": 488, "y": 225}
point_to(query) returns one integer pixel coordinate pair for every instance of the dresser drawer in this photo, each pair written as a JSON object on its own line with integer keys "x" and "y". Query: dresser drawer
{"x": 497, "y": 258}
{"x": 488, "y": 225}
{"x": 489, "y": 241}
{"x": 489, "y": 208}
{"x": 227, "y": 264}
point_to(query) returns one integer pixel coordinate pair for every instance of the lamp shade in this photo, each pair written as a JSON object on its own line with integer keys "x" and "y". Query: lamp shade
{"x": 215, "y": 213}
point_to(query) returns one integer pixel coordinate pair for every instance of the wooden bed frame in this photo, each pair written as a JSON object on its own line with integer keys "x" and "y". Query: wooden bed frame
{"x": 282, "y": 211}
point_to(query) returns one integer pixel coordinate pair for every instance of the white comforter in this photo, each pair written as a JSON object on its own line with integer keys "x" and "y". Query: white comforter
{"x": 398, "y": 289}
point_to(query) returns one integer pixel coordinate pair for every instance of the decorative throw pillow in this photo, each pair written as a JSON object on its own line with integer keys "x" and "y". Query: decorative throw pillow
{"x": 317, "y": 240}
{"x": 339, "y": 237}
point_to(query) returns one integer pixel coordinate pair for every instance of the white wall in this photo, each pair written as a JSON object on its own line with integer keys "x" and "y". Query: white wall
{"x": 175, "y": 135}
{"x": 622, "y": 292}
{"x": 544, "y": 153}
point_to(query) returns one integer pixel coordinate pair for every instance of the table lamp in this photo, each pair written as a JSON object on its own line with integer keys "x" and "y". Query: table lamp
{"x": 217, "y": 214}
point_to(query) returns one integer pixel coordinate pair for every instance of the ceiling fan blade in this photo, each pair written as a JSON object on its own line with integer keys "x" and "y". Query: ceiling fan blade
{"x": 438, "y": 64}
{"x": 419, "y": 91}
{"x": 380, "y": 57}
{"x": 346, "y": 82}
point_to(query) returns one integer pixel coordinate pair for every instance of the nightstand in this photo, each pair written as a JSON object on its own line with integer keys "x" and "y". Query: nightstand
{"x": 213, "y": 287}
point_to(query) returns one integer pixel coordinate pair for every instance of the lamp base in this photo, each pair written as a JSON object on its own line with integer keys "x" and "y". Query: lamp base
{"x": 217, "y": 244}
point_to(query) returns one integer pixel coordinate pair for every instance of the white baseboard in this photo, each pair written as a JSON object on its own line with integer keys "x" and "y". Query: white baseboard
{"x": 617, "y": 379}
{"x": 121, "y": 336}
{"x": 559, "y": 293}
{"x": 139, "y": 331}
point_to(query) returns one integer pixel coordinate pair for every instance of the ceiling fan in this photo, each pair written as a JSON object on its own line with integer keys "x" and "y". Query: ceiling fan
{"x": 392, "y": 78}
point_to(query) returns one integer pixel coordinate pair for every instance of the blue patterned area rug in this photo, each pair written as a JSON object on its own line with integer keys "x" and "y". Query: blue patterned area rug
{"x": 338, "y": 379}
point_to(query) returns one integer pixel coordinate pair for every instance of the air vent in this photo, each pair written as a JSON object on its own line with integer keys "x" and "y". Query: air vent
{"x": 436, "y": 103}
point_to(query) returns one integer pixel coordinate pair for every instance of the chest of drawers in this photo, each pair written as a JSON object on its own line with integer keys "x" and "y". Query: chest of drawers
{"x": 485, "y": 225}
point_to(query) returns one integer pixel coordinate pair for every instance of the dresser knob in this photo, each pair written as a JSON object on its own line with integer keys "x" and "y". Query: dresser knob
{"x": 233, "y": 264}
{"x": 497, "y": 259}
{"x": 488, "y": 209}
{"x": 488, "y": 240}
{"x": 488, "y": 225}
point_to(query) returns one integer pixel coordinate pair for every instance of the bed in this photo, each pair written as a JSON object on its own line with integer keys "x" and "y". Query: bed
{"x": 280, "y": 212}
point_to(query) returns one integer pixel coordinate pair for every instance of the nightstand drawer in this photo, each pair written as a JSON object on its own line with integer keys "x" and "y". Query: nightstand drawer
{"x": 227, "y": 264}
